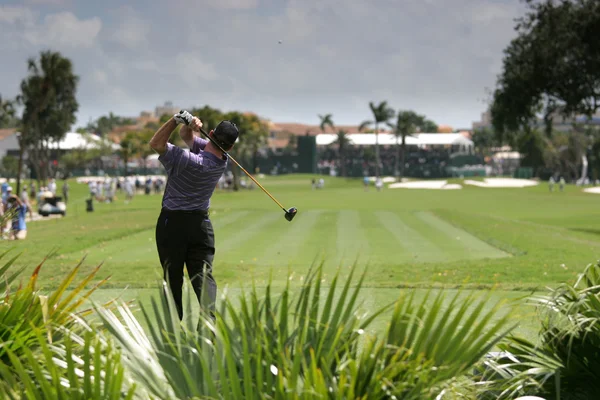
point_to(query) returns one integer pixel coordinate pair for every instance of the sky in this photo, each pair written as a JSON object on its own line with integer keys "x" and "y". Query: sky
{"x": 439, "y": 58}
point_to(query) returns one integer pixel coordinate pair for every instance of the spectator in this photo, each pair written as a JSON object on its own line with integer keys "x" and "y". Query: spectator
{"x": 32, "y": 190}
{"x": 6, "y": 196}
{"x": 65, "y": 191}
{"x": 4, "y": 189}
{"x": 52, "y": 186}
{"x": 26, "y": 203}
{"x": 19, "y": 228}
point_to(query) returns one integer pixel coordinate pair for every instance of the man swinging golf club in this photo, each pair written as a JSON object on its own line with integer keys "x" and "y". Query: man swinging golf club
{"x": 184, "y": 232}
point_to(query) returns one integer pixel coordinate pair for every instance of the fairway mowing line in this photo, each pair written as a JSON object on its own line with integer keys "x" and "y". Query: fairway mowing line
{"x": 561, "y": 232}
{"x": 227, "y": 218}
{"x": 351, "y": 240}
{"x": 421, "y": 249}
{"x": 476, "y": 248}
{"x": 248, "y": 230}
{"x": 290, "y": 241}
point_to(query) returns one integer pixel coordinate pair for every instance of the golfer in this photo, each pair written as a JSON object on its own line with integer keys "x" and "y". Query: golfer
{"x": 184, "y": 232}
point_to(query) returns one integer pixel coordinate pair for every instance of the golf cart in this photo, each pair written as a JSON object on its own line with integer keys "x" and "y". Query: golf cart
{"x": 51, "y": 204}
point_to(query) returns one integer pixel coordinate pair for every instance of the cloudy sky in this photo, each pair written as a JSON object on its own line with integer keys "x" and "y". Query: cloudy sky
{"x": 434, "y": 56}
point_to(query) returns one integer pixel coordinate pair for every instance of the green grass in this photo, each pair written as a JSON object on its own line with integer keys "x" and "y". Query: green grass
{"x": 477, "y": 238}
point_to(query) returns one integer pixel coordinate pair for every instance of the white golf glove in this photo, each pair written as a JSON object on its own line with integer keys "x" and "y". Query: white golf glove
{"x": 183, "y": 117}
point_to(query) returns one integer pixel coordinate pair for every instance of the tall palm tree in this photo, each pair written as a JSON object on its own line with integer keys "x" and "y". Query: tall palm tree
{"x": 407, "y": 123}
{"x": 48, "y": 95}
{"x": 382, "y": 113}
{"x": 343, "y": 141}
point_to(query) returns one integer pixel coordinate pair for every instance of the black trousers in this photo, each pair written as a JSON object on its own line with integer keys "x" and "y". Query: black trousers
{"x": 188, "y": 238}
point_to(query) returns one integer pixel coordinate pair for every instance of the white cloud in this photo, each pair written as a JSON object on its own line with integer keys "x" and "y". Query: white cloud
{"x": 434, "y": 56}
{"x": 48, "y": 2}
{"x": 61, "y": 29}
{"x": 99, "y": 76}
{"x": 191, "y": 68}
{"x": 133, "y": 30}
{"x": 196, "y": 6}
{"x": 65, "y": 29}
{"x": 14, "y": 15}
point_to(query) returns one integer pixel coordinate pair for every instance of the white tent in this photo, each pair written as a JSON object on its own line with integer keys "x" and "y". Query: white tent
{"x": 418, "y": 139}
{"x": 75, "y": 140}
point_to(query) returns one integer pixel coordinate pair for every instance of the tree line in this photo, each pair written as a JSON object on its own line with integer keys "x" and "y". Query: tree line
{"x": 407, "y": 122}
{"x": 550, "y": 75}
{"x": 48, "y": 104}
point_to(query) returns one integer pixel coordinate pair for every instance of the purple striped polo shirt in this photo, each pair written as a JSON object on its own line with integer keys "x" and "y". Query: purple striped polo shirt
{"x": 191, "y": 176}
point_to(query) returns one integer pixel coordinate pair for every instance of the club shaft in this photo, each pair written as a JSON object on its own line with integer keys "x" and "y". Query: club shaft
{"x": 243, "y": 169}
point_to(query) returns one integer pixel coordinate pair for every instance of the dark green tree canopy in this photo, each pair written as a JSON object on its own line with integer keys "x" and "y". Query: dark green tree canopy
{"x": 48, "y": 97}
{"x": 552, "y": 67}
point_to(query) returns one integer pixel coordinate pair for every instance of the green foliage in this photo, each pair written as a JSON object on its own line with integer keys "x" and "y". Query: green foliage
{"x": 407, "y": 123}
{"x": 10, "y": 166}
{"x": 81, "y": 157}
{"x": 314, "y": 344}
{"x": 382, "y": 113}
{"x": 25, "y": 310}
{"x": 308, "y": 342}
{"x": 552, "y": 66}
{"x": 7, "y": 114}
{"x": 565, "y": 364}
{"x": 107, "y": 123}
{"x": 41, "y": 348}
{"x": 531, "y": 144}
{"x": 326, "y": 120}
{"x": 48, "y": 96}
{"x": 484, "y": 139}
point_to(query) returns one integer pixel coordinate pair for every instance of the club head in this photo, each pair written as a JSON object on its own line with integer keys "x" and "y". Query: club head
{"x": 291, "y": 213}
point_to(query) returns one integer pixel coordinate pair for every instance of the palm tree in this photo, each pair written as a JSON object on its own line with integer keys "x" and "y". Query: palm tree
{"x": 48, "y": 95}
{"x": 7, "y": 112}
{"x": 407, "y": 123}
{"x": 128, "y": 148}
{"x": 326, "y": 120}
{"x": 343, "y": 141}
{"x": 382, "y": 113}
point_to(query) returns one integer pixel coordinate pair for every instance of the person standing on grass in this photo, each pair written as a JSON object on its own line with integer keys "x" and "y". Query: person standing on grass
{"x": 26, "y": 203}
{"x": 184, "y": 232}
{"x": 65, "y": 191}
{"x": 18, "y": 226}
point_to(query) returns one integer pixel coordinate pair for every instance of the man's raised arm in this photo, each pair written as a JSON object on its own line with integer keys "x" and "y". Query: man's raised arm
{"x": 194, "y": 143}
{"x": 161, "y": 137}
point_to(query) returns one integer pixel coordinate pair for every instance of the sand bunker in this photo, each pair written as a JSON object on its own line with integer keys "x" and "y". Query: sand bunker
{"x": 594, "y": 190}
{"x": 440, "y": 185}
{"x": 502, "y": 183}
{"x": 386, "y": 179}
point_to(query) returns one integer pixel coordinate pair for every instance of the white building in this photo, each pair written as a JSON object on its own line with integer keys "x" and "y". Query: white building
{"x": 458, "y": 142}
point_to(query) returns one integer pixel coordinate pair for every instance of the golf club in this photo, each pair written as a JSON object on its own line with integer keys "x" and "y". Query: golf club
{"x": 289, "y": 213}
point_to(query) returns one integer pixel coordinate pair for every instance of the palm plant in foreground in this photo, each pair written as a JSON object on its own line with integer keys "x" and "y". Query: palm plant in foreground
{"x": 47, "y": 348}
{"x": 565, "y": 364}
{"x": 314, "y": 344}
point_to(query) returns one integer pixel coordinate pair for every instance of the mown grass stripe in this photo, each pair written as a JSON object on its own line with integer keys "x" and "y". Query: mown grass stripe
{"x": 450, "y": 246}
{"x": 471, "y": 246}
{"x": 222, "y": 219}
{"x": 420, "y": 248}
{"x": 384, "y": 249}
{"x": 351, "y": 239}
{"x": 321, "y": 242}
{"x": 236, "y": 234}
{"x": 287, "y": 240}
